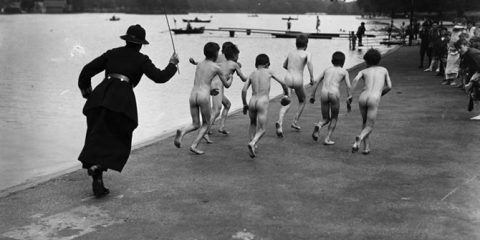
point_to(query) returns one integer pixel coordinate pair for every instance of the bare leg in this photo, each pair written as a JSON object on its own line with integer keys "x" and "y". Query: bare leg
{"x": 216, "y": 107}
{"x": 362, "y": 104}
{"x": 194, "y": 112}
{"x": 226, "y": 107}
{"x": 261, "y": 120}
{"x": 281, "y": 116}
{"x": 334, "y": 108}
{"x": 205, "y": 110}
{"x": 301, "y": 105}
{"x": 325, "y": 117}
{"x": 253, "y": 123}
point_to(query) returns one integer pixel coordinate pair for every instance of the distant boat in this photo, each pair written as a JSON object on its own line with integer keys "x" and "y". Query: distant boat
{"x": 197, "y": 20}
{"x": 188, "y": 31}
{"x": 113, "y": 18}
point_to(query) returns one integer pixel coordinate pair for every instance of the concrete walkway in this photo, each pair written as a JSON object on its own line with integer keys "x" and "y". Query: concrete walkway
{"x": 420, "y": 181}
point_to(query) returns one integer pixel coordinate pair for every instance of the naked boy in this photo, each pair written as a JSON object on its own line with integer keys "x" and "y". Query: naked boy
{"x": 376, "y": 84}
{"x": 200, "y": 95}
{"x": 295, "y": 65}
{"x": 330, "y": 95}
{"x": 258, "y": 106}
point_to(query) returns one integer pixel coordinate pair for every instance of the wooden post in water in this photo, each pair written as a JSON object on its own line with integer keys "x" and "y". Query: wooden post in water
{"x": 232, "y": 33}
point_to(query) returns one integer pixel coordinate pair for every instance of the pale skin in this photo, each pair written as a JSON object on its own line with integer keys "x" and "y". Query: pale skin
{"x": 228, "y": 67}
{"x": 200, "y": 101}
{"x": 331, "y": 77}
{"x": 376, "y": 84}
{"x": 258, "y": 105}
{"x": 295, "y": 65}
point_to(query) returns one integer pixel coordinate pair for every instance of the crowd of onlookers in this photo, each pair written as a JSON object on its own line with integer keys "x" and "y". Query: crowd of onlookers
{"x": 453, "y": 54}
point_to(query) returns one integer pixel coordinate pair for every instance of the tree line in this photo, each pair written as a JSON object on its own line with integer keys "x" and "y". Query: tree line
{"x": 248, "y": 6}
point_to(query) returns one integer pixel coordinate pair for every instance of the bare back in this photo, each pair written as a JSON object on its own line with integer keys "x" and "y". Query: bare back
{"x": 295, "y": 65}
{"x": 260, "y": 81}
{"x": 375, "y": 79}
{"x": 332, "y": 77}
{"x": 221, "y": 60}
{"x": 204, "y": 74}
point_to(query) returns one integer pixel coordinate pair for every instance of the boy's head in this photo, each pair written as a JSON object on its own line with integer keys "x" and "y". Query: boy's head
{"x": 262, "y": 60}
{"x": 462, "y": 45}
{"x": 302, "y": 41}
{"x": 338, "y": 59}
{"x": 226, "y": 45}
{"x": 372, "y": 57}
{"x": 211, "y": 51}
{"x": 231, "y": 52}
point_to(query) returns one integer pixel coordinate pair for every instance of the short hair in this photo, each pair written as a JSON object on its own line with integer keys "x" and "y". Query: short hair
{"x": 225, "y": 45}
{"x": 262, "y": 59}
{"x": 338, "y": 58}
{"x": 211, "y": 50}
{"x": 372, "y": 57}
{"x": 302, "y": 41}
{"x": 461, "y": 42}
{"x": 230, "y": 51}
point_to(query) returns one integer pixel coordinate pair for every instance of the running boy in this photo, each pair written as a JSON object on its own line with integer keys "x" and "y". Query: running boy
{"x": 258, "y": 106}
{"x": 200, "y": 95}
{"x": 330, "y": 95}
{"x": 376, "y": 84}
{"x": 295, "y": 65}
{"x": 228, "y": 62}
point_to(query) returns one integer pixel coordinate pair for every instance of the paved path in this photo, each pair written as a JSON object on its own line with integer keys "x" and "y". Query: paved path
{"x": 420, "y": 181}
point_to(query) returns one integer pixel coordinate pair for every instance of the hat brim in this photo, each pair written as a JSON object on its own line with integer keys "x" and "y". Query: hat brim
{"x": 132, "y": 39}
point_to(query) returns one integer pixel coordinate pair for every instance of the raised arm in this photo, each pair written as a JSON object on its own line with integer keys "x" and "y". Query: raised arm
{"x": 314, "y": 91}
{"x": 388, "y": 84}
{"x": 279, "y": 80}
{"x": 310, "y": 67}
{"x": 158, "y": 75}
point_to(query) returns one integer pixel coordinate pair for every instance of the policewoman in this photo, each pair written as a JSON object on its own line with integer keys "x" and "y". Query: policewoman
{"x": 111, "y": 108}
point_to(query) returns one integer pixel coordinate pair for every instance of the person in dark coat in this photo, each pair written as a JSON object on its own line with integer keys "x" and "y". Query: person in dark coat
{"x": 360, "y": 32}
{"x": 111, "y": 108}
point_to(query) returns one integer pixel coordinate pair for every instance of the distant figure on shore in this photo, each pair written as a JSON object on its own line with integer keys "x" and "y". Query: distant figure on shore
{"x": 111, "y": 109}
{"x": 376, "y": 84}
{"x": 330, "y": 96}
{"x": 258, "y": 105}
{"x": 289, "y": 24}
{"x": 295, "y": 65}
{"x": 317, "y": 26}
{"x": 200, "y": 96}
{"x": 360, "y": 32}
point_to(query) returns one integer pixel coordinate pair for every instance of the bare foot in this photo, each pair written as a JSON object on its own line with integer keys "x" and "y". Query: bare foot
{"x": 366, "y": 151}
{"x": 315, "y": 133}
{"x": 223, "y": 131}
{"x": 207, "y": 139}
{"x": 196, "y": 151}
{"x": 178, "y": 139}
{"x": 279, "y": 129}
{"x": 251, "y": 150}
{"x": 355, "y": 145}
{"x": 295, "y": 126}
{"x": 328, "y": 142}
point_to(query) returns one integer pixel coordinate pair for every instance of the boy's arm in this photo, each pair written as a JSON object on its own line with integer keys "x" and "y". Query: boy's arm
{"x": 314, "y": 91}
{"x": 310, "y": 67}
{"x": 279, "y": 80}
{"x": 239, "y": 72}
{"x": 355, "y": 80}
{"x": 347, "y": 83}
{"x": 225, "y": 78}
{"x": 244, "y": 95}
{"x": 388, "y": 83}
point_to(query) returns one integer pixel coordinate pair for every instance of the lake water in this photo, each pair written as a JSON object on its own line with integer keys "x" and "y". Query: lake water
{"x": 41, "y": 125}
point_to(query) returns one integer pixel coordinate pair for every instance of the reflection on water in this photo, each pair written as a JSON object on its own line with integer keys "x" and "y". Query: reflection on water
{"x": 41, "y": 125}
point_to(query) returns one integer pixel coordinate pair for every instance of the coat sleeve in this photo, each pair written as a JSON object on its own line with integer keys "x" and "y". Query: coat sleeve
{"x": 157, "y": 75}
{"x": 94, "y": 67}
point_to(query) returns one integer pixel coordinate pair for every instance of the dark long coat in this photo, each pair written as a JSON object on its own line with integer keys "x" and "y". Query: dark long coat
{"x": 111, "y": 109}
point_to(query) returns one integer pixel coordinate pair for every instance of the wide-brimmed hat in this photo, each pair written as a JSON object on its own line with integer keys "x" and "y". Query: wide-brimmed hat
{"x": 135, "y": 34}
